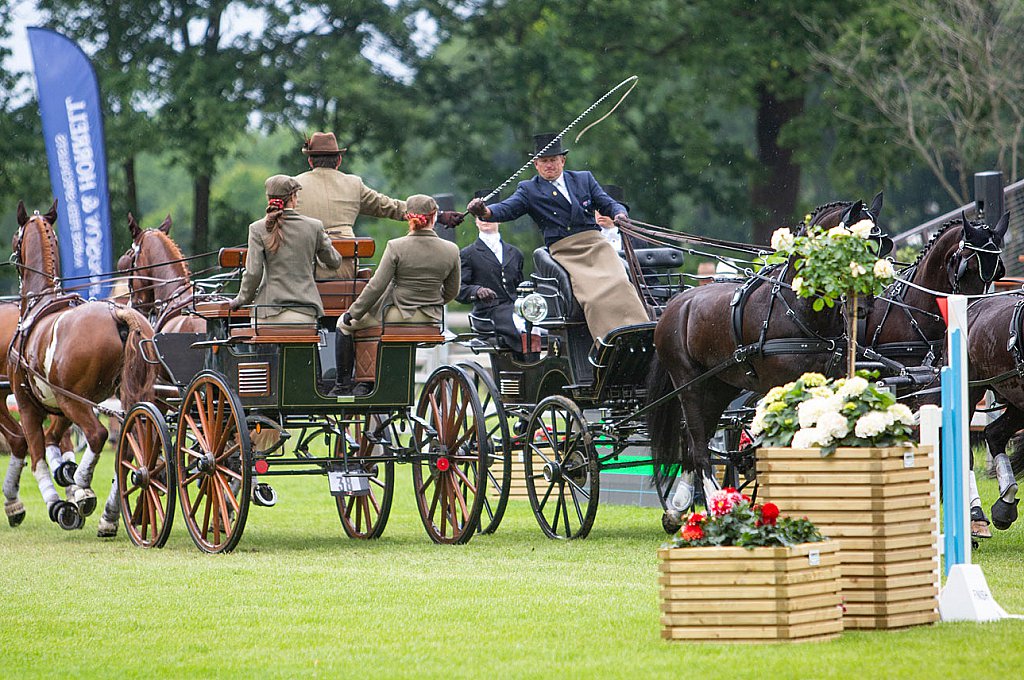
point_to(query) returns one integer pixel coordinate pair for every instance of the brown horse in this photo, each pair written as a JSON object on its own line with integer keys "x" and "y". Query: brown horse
{"x": 715, "y": 341}
{"x": 159, "y": 279}
{"x": 67, "y": 356}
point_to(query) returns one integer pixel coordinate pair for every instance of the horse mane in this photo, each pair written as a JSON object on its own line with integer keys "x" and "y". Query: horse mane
{"x": 48, "y": 242}
{"x": 827, "y": 207}
{"x": 946, "y": 226}
{"x": 176, "y": 255}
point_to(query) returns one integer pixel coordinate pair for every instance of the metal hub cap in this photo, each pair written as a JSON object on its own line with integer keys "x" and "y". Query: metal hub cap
{"x": 552, "y": 472}
{"x": 207, "y": 464}
{"x": 140, "y": 477}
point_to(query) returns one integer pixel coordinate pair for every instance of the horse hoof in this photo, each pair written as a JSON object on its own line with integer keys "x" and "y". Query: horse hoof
{"x": 15, "y": 512}
{"x": 106, "y": 529}
{"x": 264, "y": 495}
{"x": 64, "y": 475}
{"x": 66, "y": 516}
{"x": 85, "y": 499}
{"x": 669, "y": 524}
{"x": 1004, "y": 514}
{"x": 16, "y": 519}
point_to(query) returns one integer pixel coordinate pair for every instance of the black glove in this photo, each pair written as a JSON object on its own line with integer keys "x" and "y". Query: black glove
{"x": 483, "y": 293}
{"x": 622, "y": 220}
{"x": 235, "y": 304}
{"x": 450, "y": 218}
{"x": 346, "y": 319}
{"x": 479, "y": 208}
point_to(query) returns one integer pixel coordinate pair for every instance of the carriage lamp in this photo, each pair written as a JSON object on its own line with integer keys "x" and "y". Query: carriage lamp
{"x": 533, "y": 307}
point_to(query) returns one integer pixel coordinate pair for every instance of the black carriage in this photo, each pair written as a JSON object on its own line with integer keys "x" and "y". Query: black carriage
{"x": 249, "y": 402}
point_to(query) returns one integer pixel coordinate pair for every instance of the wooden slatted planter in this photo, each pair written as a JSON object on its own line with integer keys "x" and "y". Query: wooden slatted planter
{"x": 731, "y": 594}
{"x": 880, "y": 505}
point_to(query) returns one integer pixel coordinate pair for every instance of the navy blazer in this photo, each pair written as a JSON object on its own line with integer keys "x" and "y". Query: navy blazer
{"x": 555, "y": 217}
{"x": 481, "y": 268}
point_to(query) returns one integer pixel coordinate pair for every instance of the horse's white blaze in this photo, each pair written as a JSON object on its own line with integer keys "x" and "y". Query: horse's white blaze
{"x": 46, "y": 488}
{"x": 12, "y": 482}
{"x": 43, "y": 390}
{"x": 83, "y": 476}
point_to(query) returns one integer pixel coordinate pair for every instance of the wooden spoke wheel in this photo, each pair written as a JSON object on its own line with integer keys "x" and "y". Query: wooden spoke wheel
{"x": 365, "y": 516}
{"x": 213, "y": 463}
{"x": 450, "y": 466}
{"x": 562, "y": 474}
{"x": 145, "y": 476}
{"x": 499, "y": 468}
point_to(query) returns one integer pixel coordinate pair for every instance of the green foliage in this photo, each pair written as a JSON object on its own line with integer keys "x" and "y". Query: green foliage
{"x": 732, "y": 520}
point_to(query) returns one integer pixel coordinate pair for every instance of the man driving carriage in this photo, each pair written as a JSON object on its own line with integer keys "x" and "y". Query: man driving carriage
{"x": 562, "y": 203}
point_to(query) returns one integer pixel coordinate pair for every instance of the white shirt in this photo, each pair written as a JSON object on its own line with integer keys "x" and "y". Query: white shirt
{"x": 492, "y": 241}
{"x": 559, "y": 183}
{"x": 613, "y": 236}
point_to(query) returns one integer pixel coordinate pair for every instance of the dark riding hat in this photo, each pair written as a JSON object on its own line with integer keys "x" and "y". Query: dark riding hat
{"x": 321, "y": 144}
{"x": 542, "y": 140}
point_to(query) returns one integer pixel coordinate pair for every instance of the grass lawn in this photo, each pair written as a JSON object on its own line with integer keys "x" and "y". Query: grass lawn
{"x": 297, "y": 598}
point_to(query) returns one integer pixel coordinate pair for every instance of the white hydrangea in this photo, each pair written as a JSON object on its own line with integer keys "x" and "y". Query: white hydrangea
{"x": 822, "y": 392}
{"x": 863, "y": 228}
{"x": 852, "y": 387}
{"x": 810, "y": 438}
{"x": 839, "y": 232}
{"x": 798, "y": 284}
{"x": 872, "y": 424}
{"x": 857, "y": 269}
{"x": 884, "y": 270}
{"x": 809, "y": 412}
{"x": 782, "y": 239}
{"x": 758, "y": 424}
{"x": 835, "y": 425}
{"x": 774, "y": 394}
{"x": 902, "y": 413}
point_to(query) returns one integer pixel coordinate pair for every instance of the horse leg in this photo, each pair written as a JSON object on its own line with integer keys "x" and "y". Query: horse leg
{"x": 702, "y": 410}
{"x": 13, "y": 507}
{"x": 107, "y": 527}
{"x": 96, "y": 437}
{"x": 997, "y": 435}
{"x": 61, "y": 461}
{"x": 65, "y": 514}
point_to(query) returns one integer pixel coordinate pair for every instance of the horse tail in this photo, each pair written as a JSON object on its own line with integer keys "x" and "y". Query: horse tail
{"x": 664, "y": 424}
{"x": 137, "y": 374}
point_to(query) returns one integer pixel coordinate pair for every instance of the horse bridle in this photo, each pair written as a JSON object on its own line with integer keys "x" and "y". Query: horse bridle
{"x": 957, "y": 267}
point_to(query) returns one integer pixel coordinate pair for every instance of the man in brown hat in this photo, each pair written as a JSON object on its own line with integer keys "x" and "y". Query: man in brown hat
{"x": 562, "y": 203}
{"x": 337, "y": 198}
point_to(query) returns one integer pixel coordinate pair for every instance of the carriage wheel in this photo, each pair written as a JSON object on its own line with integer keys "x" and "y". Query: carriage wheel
{"x": 365, "y": 516}
{"x": 499, "y": 469}
{"x": 213, "y": 464}
{"x": 145, "y": 477}
{"x": 562, "y": 474}
{"x": 451, "y": 467}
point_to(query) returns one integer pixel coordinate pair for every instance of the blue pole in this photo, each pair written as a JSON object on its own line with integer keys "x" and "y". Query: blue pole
{"x": 953, "y": 409}
{"x": 948, "y": 540}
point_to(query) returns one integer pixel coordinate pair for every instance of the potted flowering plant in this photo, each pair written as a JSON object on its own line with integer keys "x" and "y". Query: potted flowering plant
{"x": 816, "y": 412}
{"x": 742, "y": 573}
{"x": 835, "y": 264}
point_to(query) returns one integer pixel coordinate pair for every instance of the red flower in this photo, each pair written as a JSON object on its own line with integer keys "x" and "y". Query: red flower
{"x": 696, "y": 518}
{"x": 692, "y": 532}
{"x": 769, "y": 513}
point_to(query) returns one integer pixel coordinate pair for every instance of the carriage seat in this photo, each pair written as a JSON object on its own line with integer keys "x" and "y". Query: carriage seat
{"x": 337, "y": 295}
{"x": 553, "y": 283}
{"x": 293, "y": 333}
{"x": 655, "y": 264}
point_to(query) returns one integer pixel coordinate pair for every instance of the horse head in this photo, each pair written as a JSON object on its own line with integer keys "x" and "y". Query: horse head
{"x": 34, "y": 250}
{"x": 154, "y": 265}
{"x": 975, "y": 261}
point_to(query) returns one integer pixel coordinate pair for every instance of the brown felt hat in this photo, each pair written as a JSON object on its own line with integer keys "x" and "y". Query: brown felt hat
{"x": 321, "y": 144}
{"x": 281, "y": 186}
{"x": 420, "y": 204}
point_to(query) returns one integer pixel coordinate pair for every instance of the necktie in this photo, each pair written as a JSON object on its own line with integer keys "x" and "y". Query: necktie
{"x": 560, "y": 185}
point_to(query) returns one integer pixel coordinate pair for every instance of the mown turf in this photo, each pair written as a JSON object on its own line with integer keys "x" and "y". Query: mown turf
{"x": 298, "y": 599}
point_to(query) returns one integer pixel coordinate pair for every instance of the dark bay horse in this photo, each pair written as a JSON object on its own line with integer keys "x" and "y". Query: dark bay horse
{"x": 723, "y": 338}
{"x": 67, "y": 356}
{"x": 159, "y": 279}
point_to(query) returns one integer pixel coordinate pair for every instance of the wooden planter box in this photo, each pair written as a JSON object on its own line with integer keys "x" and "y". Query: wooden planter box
{"x": 880, "y": 505}
{"x": 757, "y": 595}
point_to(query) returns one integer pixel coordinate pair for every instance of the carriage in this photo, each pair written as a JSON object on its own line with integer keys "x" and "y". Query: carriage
{"x": 248, "y": 401}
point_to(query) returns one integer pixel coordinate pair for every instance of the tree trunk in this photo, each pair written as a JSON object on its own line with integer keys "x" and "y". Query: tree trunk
{"x": 851, "y": 334}
{"x": 775, "y": 189}
{"x": 201, "y": 218}
{"x": 131, "y": 188}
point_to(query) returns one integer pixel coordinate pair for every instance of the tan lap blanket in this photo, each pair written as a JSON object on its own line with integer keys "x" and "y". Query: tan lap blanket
{"x": 599, "y": 282}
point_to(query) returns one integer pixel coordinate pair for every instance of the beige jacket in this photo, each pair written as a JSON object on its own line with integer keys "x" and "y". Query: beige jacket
{"x": 416, "y": 272}
{"x": 286, "y": 277}
{"x": 336, "y": 199}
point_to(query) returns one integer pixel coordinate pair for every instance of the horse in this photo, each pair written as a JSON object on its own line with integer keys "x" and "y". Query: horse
{"x": 775, "y": 336}
{"x": 159, "y": 279}
{"x": 67, "y": 356}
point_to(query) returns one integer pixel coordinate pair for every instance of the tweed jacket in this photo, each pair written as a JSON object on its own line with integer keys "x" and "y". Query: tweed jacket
{"x": 416, "y": 272}
{"x": 286, "y": 277}
{"x": 336, "y": 199}
{"x": 555, "y": 216}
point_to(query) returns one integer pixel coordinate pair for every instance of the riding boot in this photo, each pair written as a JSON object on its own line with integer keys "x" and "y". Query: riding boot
{"x": 345, "y": 357}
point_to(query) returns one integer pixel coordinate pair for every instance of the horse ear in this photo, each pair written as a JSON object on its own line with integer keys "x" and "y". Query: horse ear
{"x": 1001, "y": 226}
{"x": 51, "y": 215}
{"x": 876, "y": 205}
{"x": 165, "y": 226}
{"x": 133, "y": 226}
{"x": 848, "y": 215}
{"x": 22, "y": 215}
{"x": 969, "y": 229}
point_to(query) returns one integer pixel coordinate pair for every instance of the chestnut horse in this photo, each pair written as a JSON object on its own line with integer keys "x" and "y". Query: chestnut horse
{"x": 159, "y": 279}
{"x": 67, "y": 356}
{"x": 711, "y": 340}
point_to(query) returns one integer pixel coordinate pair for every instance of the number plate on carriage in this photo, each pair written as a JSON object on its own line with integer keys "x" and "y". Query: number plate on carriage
{"x": 348, "y": 484}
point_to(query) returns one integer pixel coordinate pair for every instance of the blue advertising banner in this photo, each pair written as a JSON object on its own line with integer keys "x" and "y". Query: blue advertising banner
{"x": 69, "y": 103}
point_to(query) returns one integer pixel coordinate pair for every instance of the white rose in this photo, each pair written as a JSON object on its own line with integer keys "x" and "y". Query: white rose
{"x": 798, "y": 283}
{"x": 838, "y": 232}
{"x": 902, "y": 413}
{"x": 835, "y": 425}
{"x": 782, "y": 239}
{"x": 872, "y": 423}
{"x": 884, "y": 270}
{"x": 863, "y": 228}
{"x": 852, "y": 387}
{"x": 857, "y": 269}
{"x": 809, "y": 438}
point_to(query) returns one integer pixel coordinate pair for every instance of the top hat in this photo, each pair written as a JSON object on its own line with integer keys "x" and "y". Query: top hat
{"x": 445, "y": 202}
{"x": 281, "y": 186}
{"x": 321, "y": 144}
{"x": 542, "y": 140}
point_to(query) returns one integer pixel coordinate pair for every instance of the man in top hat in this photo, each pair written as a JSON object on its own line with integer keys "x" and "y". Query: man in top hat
{"x": 337, "y": 198}
{"x": 491, "y": 272}
{"x": 562, "y": 203}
